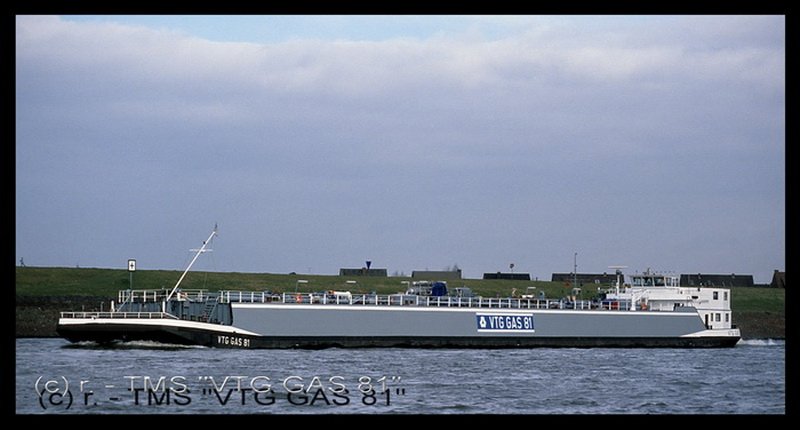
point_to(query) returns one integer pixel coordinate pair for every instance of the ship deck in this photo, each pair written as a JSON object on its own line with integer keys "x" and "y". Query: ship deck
{"x": 419, "y": 301}
{"x": 344, "y": 299}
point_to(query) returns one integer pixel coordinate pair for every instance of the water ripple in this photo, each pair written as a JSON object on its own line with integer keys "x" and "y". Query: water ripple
{"x": 747, "y": 379}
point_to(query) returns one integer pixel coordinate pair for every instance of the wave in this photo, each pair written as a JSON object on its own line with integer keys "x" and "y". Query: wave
{"x": 762, "y": 342}
{"x": 134, "y": 344}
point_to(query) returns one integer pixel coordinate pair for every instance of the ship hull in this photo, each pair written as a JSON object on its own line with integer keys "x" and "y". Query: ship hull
{"x": 131, "y": 331}
{"x": 166, "y": 334}
{"x": 316, "y": 327}
{"x": 486, "y": 343}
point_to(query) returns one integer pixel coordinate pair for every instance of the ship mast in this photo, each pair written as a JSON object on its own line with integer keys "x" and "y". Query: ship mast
{"x": 199, "y": 251}
{"x": 618, "y": 270}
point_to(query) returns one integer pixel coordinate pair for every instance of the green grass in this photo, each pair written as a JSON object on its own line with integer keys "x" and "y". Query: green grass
{"x": 759, "y": 299}
{"x": 45, "y": 281}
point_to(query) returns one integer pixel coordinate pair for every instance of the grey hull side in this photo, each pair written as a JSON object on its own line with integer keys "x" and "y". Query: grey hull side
{"x": 299, "y": 321}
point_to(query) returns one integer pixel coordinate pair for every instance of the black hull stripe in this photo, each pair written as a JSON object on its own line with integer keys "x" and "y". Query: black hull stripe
{"x": 187, "y": 336}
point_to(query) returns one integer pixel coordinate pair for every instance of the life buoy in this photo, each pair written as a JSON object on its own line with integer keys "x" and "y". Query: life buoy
{"x": 298, "y": 298}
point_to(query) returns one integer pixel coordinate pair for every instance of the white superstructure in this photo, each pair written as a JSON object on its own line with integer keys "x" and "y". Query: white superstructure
{"x": 660, "y": 292}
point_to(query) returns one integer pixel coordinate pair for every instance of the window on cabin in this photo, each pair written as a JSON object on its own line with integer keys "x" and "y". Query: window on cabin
{"x": 725, "y": 296}
{"x": 719, "y": 318}
{"x": 716, "y": 295}
{"x": 727, "y": 317}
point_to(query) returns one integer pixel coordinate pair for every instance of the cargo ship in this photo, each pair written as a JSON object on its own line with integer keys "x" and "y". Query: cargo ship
{"x": 652, "y": 311}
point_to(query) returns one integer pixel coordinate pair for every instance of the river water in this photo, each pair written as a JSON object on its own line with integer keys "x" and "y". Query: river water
{"x": 55, "y": 377}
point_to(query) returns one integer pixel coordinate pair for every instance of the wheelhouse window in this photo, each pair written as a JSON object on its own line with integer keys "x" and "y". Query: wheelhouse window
{"x": 725, "y": 296}
{"x": 716, "y": 295}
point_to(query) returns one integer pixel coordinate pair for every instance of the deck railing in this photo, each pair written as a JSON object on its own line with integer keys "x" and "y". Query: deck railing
{"x": 340, "y": 298}
{"x": 407, "y": 300}
{"x": 123, "y": 315}
{"x": 146, "y": 296}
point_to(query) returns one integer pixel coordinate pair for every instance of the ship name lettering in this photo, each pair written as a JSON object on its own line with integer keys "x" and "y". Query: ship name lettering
{"x": 233, "y": 341}
{"x": 505, "y": 322}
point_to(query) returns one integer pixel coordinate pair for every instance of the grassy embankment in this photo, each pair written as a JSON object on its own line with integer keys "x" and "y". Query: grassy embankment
{"x": 43, "y": 292}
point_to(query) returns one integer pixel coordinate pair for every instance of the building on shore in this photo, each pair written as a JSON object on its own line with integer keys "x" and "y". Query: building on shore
{"x": 363, "y": 272}
{"x": 716, "y": 280}
{"x": 510, "y": 276}
{"x": 778, "y": 279}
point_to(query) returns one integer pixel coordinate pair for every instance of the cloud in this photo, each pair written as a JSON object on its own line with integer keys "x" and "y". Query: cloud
{"x": 539, "y": 113}
{"x": 137, "y": 72}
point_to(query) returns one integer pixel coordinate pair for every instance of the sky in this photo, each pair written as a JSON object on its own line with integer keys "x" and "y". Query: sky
{"x": 414, "y": 142}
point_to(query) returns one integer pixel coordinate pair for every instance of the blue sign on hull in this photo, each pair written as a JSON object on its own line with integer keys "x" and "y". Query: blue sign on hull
{"x": 505, "y": 323}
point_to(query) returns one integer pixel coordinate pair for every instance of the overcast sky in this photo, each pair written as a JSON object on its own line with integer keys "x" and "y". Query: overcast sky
{"x": 413, "y": 142}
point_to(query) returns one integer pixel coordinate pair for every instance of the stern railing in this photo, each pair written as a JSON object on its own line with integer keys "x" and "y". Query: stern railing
{"x": 121, "y": 315}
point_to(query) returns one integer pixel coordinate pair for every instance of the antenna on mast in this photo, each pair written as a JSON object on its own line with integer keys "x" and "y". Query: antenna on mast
{"x": 201, "y": 250}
